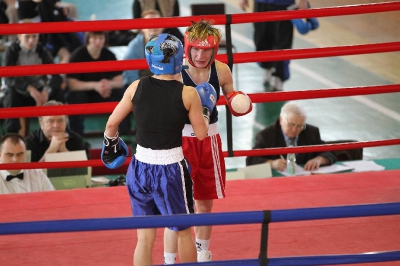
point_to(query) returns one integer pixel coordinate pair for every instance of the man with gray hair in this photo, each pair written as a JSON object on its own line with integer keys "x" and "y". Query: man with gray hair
{"x": 53, "y": 136}
{"x": 291, "y": 130}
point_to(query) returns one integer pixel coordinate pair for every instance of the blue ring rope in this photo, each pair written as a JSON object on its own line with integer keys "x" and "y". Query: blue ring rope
{"x": 311, "y": 260}
{"x": 335, "y": 212}
{"x": 183, "y": 220}
{"x": 223, "y": 219}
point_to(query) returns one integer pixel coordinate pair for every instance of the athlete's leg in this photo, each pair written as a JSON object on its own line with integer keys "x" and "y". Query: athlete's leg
{"x": 144, "y": 247}
{"x": 203, "y": 206}
{"x": 203, "y": 233}
{"x": 186, "y": 247}
{"x": 170, "y": 246}
{"x": 179, "y": 201}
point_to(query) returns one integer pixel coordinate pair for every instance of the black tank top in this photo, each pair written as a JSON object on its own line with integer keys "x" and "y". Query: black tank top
{"x": 159, "y": 113}
{"x": 213, "y": 80}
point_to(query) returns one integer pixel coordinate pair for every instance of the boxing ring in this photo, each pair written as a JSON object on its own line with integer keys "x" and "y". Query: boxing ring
{"x": 388, "y": 204}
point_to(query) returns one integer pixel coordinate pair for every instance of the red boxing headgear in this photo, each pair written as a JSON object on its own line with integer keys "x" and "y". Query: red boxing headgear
{"x": 208, "y": 43}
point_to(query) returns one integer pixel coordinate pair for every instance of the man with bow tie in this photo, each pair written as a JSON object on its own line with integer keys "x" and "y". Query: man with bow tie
{"x": 13, "y": 150}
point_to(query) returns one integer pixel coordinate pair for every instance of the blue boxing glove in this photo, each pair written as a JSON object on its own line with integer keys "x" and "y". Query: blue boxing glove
{"x": 303, "y": 26}
{"x": 114, "y": 151}
{"x": 314, "y": 23}
{"x": 208, "y": 97}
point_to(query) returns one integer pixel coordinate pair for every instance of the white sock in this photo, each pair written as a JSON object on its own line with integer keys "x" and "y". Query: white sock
{"x": 169, "y": 258}
{"x": 202, "y": 245}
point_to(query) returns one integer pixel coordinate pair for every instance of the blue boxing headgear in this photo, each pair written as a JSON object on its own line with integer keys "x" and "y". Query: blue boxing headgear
{"x": 164, "y": 54}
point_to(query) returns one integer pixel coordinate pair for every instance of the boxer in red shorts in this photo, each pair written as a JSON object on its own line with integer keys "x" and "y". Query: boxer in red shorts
{"x": 205, "y": 157}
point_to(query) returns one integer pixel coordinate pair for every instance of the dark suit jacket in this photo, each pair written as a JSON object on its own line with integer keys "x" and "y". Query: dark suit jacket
{"x": 272, "y": 137}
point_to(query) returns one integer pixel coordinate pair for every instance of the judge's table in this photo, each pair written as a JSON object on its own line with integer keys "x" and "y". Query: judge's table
{"x": 265, "y": 171}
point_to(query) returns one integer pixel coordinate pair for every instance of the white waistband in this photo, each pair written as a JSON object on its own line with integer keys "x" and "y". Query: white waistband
{"x": 161, "y": 157}
{"x": 189, "y": 132}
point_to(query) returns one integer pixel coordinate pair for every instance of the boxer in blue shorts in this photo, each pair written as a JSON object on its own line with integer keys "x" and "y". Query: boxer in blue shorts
{"x": 165, "y": 186}
{"x": 158, "y": 178}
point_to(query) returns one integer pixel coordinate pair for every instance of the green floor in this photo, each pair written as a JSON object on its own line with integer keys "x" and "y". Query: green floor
{"x": 361, "y": 118}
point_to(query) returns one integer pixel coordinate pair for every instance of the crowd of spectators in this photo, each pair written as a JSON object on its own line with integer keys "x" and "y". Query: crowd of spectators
{"x": 73, "y": 88}
{"x": 60, "y": 133}
{"x": 64, "y": 133}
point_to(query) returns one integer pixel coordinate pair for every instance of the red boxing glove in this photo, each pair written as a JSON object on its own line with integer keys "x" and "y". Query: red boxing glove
{"x": 239, "y": 103}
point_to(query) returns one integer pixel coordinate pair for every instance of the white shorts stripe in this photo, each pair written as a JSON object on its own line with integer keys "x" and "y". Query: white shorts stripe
{"x": 217, "y": 166}
{"x": 184, "y": 187}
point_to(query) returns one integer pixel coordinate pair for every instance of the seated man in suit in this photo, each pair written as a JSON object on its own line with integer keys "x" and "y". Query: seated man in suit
{"x": 13, "y": 150}
{"x": 291, "y": 130}
{"x": 53, "y": 136}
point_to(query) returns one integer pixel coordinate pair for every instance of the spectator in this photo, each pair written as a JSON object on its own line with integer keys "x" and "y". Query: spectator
{"x": 28, "y": 90}
{"x": 53, "y": 136}
{"x": 96, "y": 86}
{"x": 61, "y": 45}
{"x": 135, "y": 49}
{"x": 13, "y": 150}
{"x": 167, "y": 8}
{"x": 291, "y": 130}
{"x": 273, "y": 35}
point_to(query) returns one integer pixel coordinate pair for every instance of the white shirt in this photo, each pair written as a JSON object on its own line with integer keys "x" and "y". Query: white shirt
{"x": 34, "y": 180}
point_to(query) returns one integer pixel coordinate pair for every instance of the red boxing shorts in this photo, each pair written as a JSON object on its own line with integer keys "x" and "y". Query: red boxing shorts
{"x": 207, "y": 162}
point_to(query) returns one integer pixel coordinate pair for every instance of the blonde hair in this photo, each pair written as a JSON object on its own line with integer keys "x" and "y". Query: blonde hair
{"x": 201, "y": 30}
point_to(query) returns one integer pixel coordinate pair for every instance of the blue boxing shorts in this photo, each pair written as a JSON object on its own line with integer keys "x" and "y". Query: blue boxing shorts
{"x": 158, "y": 182}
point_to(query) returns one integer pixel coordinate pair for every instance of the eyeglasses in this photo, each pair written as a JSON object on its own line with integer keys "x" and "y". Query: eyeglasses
{"x": 292, "y": 125}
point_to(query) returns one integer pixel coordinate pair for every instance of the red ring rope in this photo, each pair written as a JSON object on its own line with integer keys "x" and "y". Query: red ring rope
{"x": 128, "y": 24}
{"x": 106, "y": 108}
{"x": 248, "y": 57}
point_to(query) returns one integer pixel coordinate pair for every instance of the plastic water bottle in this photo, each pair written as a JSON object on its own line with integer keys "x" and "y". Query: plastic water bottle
{"x": 291, "y": 164}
